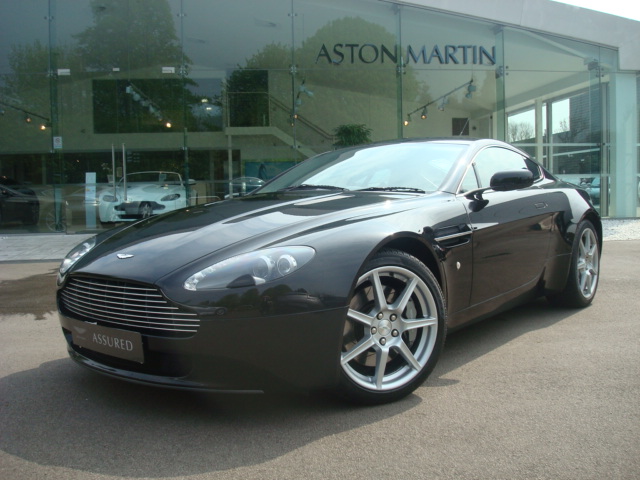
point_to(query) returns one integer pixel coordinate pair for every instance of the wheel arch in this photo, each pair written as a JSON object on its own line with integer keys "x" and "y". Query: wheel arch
{"x": 594, "y": 218}
{"x": 419, "y": 249}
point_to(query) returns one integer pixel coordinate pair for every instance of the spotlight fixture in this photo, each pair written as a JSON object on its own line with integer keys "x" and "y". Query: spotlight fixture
{"x": 442, "y": 100}
{"x": 43, "y": 126}
{"x": 303, "y": 89}
{"x": 28, "y": 116}
{"x": 294, "y": 116}
{"x": 470, "y": 89}
{"x": 168, "y": 124}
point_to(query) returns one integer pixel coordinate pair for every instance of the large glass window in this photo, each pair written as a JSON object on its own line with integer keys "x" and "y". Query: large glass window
{"x": 556, "y": 104}
{"x": 93, "y": 90}
{"x": 448, "y": 79}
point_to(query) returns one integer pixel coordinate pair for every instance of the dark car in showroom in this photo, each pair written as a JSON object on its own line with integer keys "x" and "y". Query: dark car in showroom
{"x": 343, "y": 273}
{"x": 18, "y": 203}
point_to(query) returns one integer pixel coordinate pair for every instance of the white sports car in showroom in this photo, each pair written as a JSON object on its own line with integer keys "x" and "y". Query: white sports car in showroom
{"x": 141, "y": 195}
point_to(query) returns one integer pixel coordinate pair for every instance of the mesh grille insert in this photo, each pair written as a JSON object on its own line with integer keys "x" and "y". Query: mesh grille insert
{"x": 124, "y": 305}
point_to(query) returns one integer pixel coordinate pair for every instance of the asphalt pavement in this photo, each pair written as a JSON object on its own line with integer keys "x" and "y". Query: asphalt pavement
{"x": 534, "y": 393}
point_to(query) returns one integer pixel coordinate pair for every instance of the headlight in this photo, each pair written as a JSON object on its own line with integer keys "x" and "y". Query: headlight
{"x": 76, "y": 254}
{"x": 109, "y": 198}
{"x": 253, "y": 268}
{"x": 168, "y": 198}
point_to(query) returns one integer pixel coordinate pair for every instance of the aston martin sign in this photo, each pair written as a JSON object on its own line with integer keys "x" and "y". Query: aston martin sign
{"x": 426, "y": 54}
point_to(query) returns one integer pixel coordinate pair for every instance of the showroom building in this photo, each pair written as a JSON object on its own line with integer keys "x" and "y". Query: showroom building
{"x": 226, "y": 94}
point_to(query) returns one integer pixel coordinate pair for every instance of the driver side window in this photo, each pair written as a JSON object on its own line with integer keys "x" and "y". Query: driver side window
{"x": 470, "y": 181}
{"x": 495, "y": 159}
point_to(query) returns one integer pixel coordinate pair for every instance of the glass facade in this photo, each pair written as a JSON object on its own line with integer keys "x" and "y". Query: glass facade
{"x": 228, "y": 94}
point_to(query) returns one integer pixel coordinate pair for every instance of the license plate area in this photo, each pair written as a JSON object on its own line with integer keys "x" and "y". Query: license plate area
{"x": 110, "y": 341}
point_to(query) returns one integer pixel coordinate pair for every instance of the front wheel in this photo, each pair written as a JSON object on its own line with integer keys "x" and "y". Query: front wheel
{"x": 145, "y": 210}
{"x": 584, "y": 271}
{"x": 51, "y": 222}
{"x": 394, "y": 331}
{"x": 34, "y": 215}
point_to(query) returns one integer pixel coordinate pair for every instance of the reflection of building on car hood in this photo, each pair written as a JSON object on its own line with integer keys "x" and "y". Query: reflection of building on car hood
{"x": 142, "y": 194}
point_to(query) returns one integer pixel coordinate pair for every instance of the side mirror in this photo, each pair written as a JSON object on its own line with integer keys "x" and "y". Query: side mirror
{"x": 511, "y": 180}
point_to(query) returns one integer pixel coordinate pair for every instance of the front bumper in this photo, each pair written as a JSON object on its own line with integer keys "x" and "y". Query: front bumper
{"x": 133, "y": 208}
{"x": 297, "y": 351}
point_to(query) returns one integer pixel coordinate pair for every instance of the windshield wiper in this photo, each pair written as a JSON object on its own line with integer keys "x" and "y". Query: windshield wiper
{"x": 306, "y": 186}
{"x": 392, "y": 189}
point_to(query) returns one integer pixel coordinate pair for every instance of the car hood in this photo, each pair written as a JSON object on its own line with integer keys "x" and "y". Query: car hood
{"x": 156, "y": 247}
{"x": 149, "y": 189}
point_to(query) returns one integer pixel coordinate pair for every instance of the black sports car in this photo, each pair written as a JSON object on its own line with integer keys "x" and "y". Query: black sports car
{"x": 17, "y": 203}
{"x": 345, "y": 272}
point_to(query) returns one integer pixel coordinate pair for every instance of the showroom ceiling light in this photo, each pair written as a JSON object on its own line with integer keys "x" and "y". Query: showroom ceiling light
{"x": 28, "y": 116}
{"x": 442, "y": 100}
{"x": 138, "y": 96}
{"x": 302, "y": 90}
{"x": 470, "y": 89}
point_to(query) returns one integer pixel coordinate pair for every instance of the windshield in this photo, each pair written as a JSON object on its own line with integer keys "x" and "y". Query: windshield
{"x": 411, "y": 167}
{"x": 157, "y": 178}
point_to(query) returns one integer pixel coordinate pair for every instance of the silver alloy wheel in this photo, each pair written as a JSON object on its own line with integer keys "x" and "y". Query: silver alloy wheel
{"x": 50, "y": 220}
{"x": 145, "y": 210}
{"x": 588, "y": 263}
{"x": 391, "y": 329}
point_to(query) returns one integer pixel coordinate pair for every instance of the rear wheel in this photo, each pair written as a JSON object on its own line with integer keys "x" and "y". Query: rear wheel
{"x": 584, "y": 271}
{"x": 394, "y": 331}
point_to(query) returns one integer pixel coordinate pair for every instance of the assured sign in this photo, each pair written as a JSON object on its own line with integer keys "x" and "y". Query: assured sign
{"x": 433, "y": 54}
{"x": 110, "y": 341}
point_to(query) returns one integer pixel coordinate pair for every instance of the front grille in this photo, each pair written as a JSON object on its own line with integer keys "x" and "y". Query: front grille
{"x": 125, "y": 305}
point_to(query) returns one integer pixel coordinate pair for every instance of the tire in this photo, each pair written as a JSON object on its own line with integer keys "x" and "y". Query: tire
{"x": 394, "y": 331}
{"x": 584, "y": 271}
{"x": 34, "y": 218}
{"x": 50, "y": 220}
{"x": 145, "y": 210}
